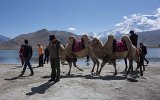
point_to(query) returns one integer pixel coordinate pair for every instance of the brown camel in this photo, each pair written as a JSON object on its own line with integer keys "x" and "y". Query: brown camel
{"x": 110, "y": 56}
{"x": 80, "y": 54}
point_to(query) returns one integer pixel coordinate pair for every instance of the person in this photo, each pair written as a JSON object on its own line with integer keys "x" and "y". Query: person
{"x": 46, "y": 53}
{"x": 27, "y": 57}
{"x": 21, "y": 54}
{"x": 40, "y": 53}
{"x": 134, "y": 38}
{"x": 54, "y": 47}
{"x": 144, "y": 53}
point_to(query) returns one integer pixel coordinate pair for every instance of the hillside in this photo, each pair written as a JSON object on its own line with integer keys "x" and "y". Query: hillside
{"x": 150, "y": 38}
{"x": 4, "y": 39}
{"x": 41, "y": 36}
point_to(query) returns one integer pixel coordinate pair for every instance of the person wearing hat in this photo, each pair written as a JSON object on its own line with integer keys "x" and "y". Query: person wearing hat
{"x": 27, "y": 57}
{"x": 134, "y": 38}
{"x": 54, "y": 47}
{"x": 40, "y": 53}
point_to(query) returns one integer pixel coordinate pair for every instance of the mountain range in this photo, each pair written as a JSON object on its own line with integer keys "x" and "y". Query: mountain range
{"x": 149, "y": 38}
{"x": 40, "y": 36}
{"x": 4, "y": 39}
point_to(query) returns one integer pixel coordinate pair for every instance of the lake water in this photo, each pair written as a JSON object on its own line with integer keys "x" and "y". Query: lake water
{"x": 12, "y": 56}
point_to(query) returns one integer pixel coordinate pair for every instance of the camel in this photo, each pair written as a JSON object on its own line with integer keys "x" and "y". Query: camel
{"x": 108, "y": 54}
{"x": 64, "y": 58}
{"x": 80, "y": 54}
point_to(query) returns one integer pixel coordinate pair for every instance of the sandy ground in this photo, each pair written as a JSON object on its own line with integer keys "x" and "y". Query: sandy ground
{"x": 79, "y": 85}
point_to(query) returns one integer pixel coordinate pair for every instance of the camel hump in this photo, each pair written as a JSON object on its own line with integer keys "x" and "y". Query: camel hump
{"x": 71, "y": 38}
{"x": 86, "y": 38}
{"x": 127, "y": 39}
{"x": 111, "y": 37}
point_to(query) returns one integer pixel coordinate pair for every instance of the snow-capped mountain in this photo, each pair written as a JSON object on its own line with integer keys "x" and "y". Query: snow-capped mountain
{"x": 139, "y": 23}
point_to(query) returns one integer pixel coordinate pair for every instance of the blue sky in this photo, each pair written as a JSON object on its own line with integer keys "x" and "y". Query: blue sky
{"x": 79, "y": 16}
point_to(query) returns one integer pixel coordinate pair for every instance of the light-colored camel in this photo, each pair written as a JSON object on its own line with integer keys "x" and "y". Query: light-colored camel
{"x": 64, "y": 58}
{"x": 80, "y": 54}
{"x": 110, "y": 56}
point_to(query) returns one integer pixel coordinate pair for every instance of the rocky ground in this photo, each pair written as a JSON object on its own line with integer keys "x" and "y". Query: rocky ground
{"x": 79, "y": 85}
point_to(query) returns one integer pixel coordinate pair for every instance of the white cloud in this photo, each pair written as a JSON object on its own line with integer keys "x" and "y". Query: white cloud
{"x": 72, "y": 29}
{"x": 139, "y": 22}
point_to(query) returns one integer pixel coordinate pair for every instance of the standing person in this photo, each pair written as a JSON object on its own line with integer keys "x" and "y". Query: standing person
{"x": 134, "y": 38}
{"x": 144, "y": 53}
{"x": 40, "y": 53}
{"x": 46, "y": 52}
{"x": 27, "y": 57}
{"x": 21, "y": 54}
{"x": 54, "y": 47}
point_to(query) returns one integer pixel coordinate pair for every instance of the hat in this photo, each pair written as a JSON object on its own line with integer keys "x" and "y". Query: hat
{"x": 131, "y": 31}
{"x": 26, "y": 41}
{"x": 51, "y": 37}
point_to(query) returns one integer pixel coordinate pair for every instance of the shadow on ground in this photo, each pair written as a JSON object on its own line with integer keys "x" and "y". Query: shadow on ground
{"x": 40, "y": 89}
{"x": 17, "y": 77}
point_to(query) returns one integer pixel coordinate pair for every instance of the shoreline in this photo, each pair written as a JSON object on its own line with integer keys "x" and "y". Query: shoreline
{"x": 79, "y": 85}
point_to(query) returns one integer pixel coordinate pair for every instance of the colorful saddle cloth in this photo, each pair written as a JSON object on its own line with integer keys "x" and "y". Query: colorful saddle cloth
{"x": 78, "y": 45}
{"x": 119, "y": 46}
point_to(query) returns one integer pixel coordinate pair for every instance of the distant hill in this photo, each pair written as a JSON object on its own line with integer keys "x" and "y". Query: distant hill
{"x": 149, "y": 38}
{"x": 41, "y": 36}
{"x": 4, "y": 39}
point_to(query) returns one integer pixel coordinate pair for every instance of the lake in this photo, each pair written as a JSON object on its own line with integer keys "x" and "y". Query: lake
{"x": 12, "y": 56}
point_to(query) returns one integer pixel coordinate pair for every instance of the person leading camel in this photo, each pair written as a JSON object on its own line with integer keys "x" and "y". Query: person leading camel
{"x": 54, "y": 48}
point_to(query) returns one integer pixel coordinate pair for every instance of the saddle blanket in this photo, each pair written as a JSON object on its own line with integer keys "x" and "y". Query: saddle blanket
{"x": 77, "y": 45}
{"x": 119, "y": 46}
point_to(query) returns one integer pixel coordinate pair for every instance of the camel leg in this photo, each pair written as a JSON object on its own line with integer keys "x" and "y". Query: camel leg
{"x": 97, "y": 62}
{"x": 70, "y": 65}
{"x": 114, "y": 65}
{"x": 125, "y": 60}
{"x": 74, "y": 64}
{"x": 102, "y": 65}
{"x": 94, "y": 64}
{"x": 130, "y": 66}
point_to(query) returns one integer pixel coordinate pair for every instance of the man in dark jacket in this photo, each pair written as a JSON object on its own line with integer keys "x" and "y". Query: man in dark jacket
{"x": 54, "y": 47}
{"x": 27, "y": 56}
{"x": 134, "y": 38}
{"x": 144, "y": 53}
